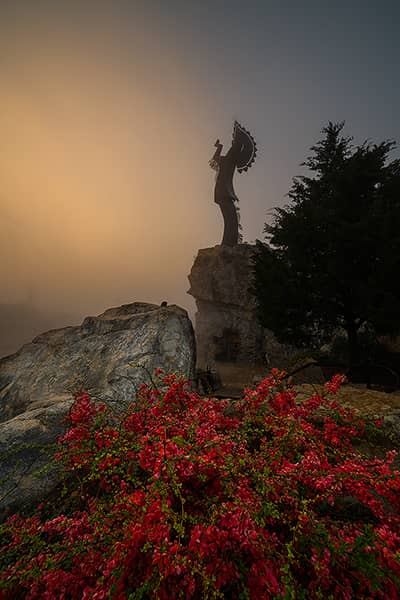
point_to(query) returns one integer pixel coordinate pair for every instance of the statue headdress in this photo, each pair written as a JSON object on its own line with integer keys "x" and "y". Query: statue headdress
{"x": 248, "y": 151}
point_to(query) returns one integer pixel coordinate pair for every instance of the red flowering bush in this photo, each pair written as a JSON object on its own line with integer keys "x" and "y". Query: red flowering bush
{"x": 185, "y": 497}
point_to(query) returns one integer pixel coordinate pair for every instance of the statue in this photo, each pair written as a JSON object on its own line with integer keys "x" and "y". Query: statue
{"x": 240, "y": 156}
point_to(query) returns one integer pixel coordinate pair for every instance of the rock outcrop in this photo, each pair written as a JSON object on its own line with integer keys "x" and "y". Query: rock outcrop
{"x": 228, "y": 334}
{"x": 27, "y": 443}
{"x": 226, "y": 325}
{"x": 109, "y": 355}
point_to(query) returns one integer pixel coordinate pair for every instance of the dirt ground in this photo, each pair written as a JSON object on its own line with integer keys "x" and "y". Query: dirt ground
{"x": 368, "y": 403}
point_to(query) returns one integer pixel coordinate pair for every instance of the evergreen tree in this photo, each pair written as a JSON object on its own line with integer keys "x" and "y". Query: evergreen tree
{"x": 332, "y": 255}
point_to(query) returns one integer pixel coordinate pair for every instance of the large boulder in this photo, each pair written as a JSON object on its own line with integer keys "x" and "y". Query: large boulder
{"x": 109, "y": 355}
{"x": 27, "y": 442}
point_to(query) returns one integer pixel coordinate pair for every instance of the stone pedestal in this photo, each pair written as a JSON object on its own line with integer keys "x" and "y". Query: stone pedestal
{"x": 228, "y": 335}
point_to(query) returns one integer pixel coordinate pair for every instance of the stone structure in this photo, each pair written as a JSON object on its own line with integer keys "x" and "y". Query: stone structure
{"x": 229, "y": 337}
{"x": 226, "y": 326}
{"x": 110, "y": 355}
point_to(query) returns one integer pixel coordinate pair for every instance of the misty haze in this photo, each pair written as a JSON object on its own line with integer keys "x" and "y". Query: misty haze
{"x": 108, "y": 122}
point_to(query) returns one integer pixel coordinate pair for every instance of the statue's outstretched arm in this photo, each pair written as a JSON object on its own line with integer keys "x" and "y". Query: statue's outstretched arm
{"x": 218, "y": 151}
{"x": 214, "y": 162}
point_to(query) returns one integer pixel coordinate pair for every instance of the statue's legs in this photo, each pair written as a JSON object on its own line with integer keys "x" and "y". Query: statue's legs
{"x": 231, "y": 223}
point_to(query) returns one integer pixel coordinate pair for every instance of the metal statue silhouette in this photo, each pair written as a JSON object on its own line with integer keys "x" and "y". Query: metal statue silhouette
{"x": 240, "y": 156}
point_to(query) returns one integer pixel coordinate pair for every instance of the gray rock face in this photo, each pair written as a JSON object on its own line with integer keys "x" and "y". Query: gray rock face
{"x": 109, "y": 355}
{"x": 26, "y": 445}
{"x": 227, "y": 329}
{"x": 99, "y": 355}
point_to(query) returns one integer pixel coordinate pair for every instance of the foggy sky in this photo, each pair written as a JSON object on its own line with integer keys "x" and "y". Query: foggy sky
{"x": 109, "y": 113}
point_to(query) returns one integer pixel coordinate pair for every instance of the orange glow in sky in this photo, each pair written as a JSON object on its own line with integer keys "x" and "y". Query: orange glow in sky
{"x": 99, "y": 176}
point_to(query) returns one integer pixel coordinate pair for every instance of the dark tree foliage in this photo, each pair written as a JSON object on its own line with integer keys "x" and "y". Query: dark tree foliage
{"x": 332, "y": 254}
